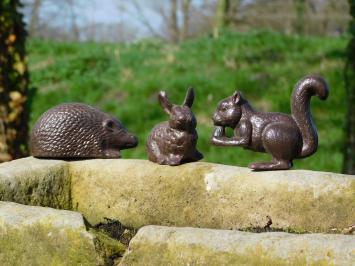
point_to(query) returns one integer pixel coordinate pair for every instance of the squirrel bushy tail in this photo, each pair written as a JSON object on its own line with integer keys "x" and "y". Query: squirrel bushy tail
{"x": 300, "y": 109}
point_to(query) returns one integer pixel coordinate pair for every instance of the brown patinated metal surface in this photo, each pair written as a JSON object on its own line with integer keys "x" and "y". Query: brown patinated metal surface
{"x": 173, "y": 142}
{"x": 75, "y": 130}
{"x": 285, "y": 137}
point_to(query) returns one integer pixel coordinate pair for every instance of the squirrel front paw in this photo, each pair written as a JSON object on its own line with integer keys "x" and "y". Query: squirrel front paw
{"x": 218, "y": 131}
{"x": 218, "y": 135}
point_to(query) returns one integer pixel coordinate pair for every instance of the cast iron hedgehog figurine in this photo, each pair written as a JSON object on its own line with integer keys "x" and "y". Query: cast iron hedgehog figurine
{"x": 75, "y": 130}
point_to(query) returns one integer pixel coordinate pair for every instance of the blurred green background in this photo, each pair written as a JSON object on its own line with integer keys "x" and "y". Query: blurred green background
{"x": 124, "y": 79}
{"x": 117, "y": 55}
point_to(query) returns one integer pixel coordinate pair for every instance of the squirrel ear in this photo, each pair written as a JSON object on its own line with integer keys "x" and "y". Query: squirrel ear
{"x": 236, "y": 97}
{"x": 189, "y": 98}
{"x": 164, "y": 102}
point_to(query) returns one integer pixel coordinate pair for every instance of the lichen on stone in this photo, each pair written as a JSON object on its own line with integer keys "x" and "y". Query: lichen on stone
{"x": 40, "y": 244}
{"x": 159, "y": 245}
{"x": 32, "y": 181}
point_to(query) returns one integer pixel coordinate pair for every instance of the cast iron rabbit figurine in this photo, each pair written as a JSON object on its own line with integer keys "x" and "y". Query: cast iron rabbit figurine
{"x": 285, "y": 137}
{"x": 173, "y": 142}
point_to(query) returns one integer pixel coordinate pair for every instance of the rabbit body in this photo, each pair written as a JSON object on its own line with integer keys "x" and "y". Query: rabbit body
{"x": 177, "y": 146}
{"x": 173, "y": 142}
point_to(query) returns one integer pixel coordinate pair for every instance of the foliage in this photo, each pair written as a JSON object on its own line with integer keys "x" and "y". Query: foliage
{"x": 349, "y": 151}
{"x": 124, "y": 80}
{"x": 13, "y": 82}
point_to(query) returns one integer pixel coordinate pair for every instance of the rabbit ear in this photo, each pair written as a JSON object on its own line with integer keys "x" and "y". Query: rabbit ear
{"x": 189, "y": 98}
{"x": 164, "y": 102}
{"x": 236, "y": 97}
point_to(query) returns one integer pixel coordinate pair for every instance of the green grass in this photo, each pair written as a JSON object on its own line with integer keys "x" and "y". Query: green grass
{"x": 124, "y": 80}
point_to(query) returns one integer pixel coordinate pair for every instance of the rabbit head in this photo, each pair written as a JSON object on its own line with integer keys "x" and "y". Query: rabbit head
{"x": 181, "y": 116}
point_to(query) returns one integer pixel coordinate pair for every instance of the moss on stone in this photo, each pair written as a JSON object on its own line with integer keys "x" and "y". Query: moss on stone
{"x": 159, "y": 245}
{"x": 157, "y": 195}
{"x": 139, "y": 193}
{"x": 44, "y": 245}
{"x": 107, "y": 248}
{"x": 302, "y": 211}
{"x": 33, "y": 181}
{"x": 170, "y": 254}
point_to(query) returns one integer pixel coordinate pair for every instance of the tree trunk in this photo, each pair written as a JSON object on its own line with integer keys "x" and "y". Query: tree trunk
{"x": 230, "y": 11}
{"x": 174, "y": 29}
{"x": 73, "y": 25}
{"x": 225, "y": 13}
{"x": 186, "y": 19}
{"x": 33, "y": 25}
{"x": 13, "y": 83}
{"x": 300, "y": 9}
{"x": 349, "y": 149}
{"x": 219, "y": 17}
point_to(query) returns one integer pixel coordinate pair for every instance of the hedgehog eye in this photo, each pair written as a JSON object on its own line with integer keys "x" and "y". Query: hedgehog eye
{"x": 109, "y": 124}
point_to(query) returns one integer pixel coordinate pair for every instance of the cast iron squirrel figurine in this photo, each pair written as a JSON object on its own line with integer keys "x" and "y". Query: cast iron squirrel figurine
{"x": 173, "y": 142}
{"x": 284, "y": 137}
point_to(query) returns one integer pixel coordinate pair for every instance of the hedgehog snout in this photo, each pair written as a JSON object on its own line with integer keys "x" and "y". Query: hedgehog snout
{"x": 132, "y": 141}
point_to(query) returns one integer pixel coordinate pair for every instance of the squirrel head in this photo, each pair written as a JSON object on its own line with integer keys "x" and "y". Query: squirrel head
{"x": 229, "y": 111}
{"x": 181, "y": 116}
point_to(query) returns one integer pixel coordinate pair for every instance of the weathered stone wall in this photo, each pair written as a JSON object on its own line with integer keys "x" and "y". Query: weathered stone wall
{"x": 36, "y": 182}
{"x": 139, "y": 193}
{"x": 158, "y": 245}
{"x": 42, "y": 236}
